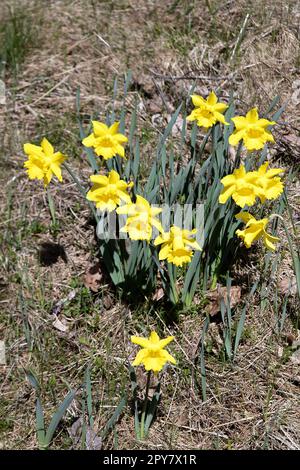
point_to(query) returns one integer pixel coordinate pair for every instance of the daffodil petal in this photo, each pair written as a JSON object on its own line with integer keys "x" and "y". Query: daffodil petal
{"x": 47, "y": 147}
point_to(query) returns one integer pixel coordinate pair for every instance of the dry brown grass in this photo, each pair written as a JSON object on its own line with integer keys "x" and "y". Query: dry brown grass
{"x": 253, "y": 403}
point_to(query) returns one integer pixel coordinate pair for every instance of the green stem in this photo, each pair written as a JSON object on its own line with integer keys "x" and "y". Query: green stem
{"x": 173, "y": 276}
{"x": 290, "y": 212}
{"x": 214, "y": 281}
{"x": 81, "y": 189}
{"x": 51, "y": 206}
{"x": 144, "y": 411}
{"x": 215, "y": 270}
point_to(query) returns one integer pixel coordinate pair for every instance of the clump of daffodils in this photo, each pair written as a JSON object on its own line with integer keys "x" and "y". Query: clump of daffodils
{"x": 109, "y": 192}
{"x": 244, "y": 187}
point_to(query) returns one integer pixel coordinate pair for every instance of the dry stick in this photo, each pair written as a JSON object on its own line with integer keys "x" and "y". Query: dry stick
{"x": 203, "y": 431}
{"x": 172, "y": 400}
{"x": 225, "y": 78}
{"x": 66, "y": 72}
{"x": 51, "y": 89}
{"x": 161, "y": 95}
{"x": 240, "y": 37}
{"x": 184, "y": 77}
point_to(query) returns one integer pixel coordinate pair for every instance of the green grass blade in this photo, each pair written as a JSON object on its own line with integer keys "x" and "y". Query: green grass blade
{"x": 134, "y": 390}
{"x": 112, "y": 258}
{"x": 33, "y": 381}
{"x": 273, "y": 104}
{"x": 58, "y": 416}
{"x": 202, "y": 360}
{"x": 152, "y": 409}
{"x": 89, "y": 397}
{"x": 191, "y": 278}
{"x": 241, "y": 322}
{"x": 168, "y": 129}
{"x": 239, "y": 330}
{"x": 115, "y": 417}
{"x": 51, "y": 206}
{"x": 40, "y": 424}
{"x": 90, "y": 154}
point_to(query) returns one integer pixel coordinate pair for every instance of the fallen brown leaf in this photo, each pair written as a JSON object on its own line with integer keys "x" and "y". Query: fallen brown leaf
{"x": 75, "y": 431}
{"x": 289, "y": 338}
{"x": 220, "y": 293}
{"x": 154, "y": 105}
{"x": 92, "y": 441}
{"x": 232, "y": 153}
{"x": 158, "y": 294}
{"x": 177, "y": 127}
{"x": 108, "y": 301}
{"x": 213, "y": 339}
{"x": 288, "y": 285}
{"x": 292, "y": 139}
{"x": 93, "y": 277}
{"x": 59, "y": 325}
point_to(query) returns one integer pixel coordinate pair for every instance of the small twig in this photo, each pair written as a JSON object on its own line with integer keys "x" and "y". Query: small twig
{"x": 184, "y": 77}
{"x": 161, "y": 95}
{"x": 240, "y": 37}
{"x": 199, "y": 430}
{"x": 102, "y": 40}
{"x": 51, "y": 89}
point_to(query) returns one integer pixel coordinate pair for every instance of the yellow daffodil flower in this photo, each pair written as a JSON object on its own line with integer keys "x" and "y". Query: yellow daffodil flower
{"x": 43, "y": 162}
{"x": 244, "y": 186}
{"x": 269, "y": 185}
{"x": 108, "y": 191}
{"x": 153, "y": 355}
{"x": 106, "y": 141}
{"x": 177, "y": 245}
{"x": 207, "y": 112}
{"x": 240, "y": 185}
{"x": 141, "y": 219}
{"x": 254, "y": 230}
{"x": 252, "y": 130}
